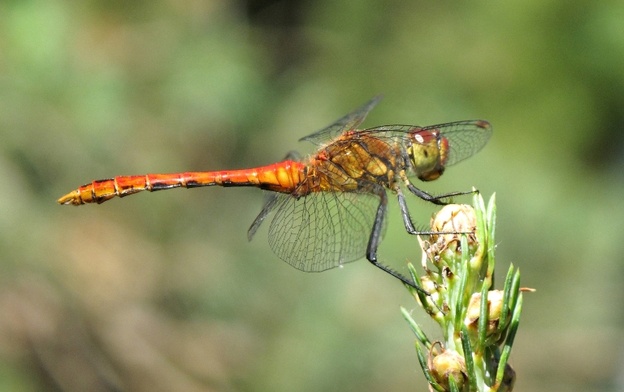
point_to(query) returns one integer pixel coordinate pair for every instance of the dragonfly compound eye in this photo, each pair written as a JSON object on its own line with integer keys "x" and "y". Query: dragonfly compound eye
{"x": 428, "y": 152}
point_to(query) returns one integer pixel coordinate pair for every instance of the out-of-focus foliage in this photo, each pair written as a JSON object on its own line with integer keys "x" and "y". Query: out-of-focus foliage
{"x": 163, "y": 292}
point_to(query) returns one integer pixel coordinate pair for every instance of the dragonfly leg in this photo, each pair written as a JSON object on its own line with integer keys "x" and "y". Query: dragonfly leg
{"x": 435, "y": 199}
{"x": 407, "y": 219}
{"x": 375, "y": 237}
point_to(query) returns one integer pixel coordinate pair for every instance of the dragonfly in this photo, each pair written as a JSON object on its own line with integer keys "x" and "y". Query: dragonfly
{"x": 330, "y": 208}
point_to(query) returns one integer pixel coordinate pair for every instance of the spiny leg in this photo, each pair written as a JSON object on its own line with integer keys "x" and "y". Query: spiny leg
{"x": 434, "y": 199}
{"x": 375, "y": 238}
{"x": 407, "y": 219}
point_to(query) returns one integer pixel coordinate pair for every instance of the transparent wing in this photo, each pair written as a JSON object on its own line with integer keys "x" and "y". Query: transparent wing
{"x": 271, "y": 203}
{"x": 350, "y": 121}
{"x": 322, "y": 230}
{"x": 465, "y": 138}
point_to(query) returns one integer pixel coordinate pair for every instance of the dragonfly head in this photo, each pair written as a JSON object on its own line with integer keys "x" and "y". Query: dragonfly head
{"x": 428, "y": 151}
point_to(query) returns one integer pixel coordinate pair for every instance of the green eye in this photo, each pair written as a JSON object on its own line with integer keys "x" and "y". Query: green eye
{"x": 428, "y": 154}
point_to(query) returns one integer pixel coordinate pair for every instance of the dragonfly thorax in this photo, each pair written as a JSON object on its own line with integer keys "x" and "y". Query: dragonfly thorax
{"x": 428, "y": 152}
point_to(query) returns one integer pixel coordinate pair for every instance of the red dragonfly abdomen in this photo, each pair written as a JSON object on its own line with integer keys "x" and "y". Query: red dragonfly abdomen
{"x": 282, "y": 177}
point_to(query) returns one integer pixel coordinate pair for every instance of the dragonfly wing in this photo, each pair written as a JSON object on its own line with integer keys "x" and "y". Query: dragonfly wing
{"x": 271, "y": 202}
{"x": 322, "y": 230}
{"x": 350, "y": 121}
{"x": 465, "y": 138}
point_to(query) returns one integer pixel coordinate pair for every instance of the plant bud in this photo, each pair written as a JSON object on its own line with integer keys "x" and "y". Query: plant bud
{"x": 455, "y": 220}
{"x": 495, "y": 308}
{"x": 433, "y": 299}
{"x": 509, "y": 379}
{"x": 446, "y": 365}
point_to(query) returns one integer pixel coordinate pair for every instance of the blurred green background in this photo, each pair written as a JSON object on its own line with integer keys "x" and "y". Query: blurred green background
{"x": 162, "y": 291}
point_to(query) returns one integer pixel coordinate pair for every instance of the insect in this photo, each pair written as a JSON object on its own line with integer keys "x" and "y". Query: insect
{"x": 330, "y": 208}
